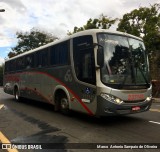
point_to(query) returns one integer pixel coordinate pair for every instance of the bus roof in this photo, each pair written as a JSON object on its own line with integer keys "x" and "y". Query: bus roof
{"x": 94, "y": 31}
{"x": 86, "y": 32}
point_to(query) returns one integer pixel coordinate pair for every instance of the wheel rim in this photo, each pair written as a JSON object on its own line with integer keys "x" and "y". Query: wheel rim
{"x": 16, "y": 95}
{"x": 64, "y": 104}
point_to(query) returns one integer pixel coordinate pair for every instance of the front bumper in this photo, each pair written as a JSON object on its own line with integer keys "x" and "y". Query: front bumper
{"x": 107, "y": 108}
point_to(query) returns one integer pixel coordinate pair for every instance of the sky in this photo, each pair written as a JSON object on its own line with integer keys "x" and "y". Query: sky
{"x": 56, "y": 16}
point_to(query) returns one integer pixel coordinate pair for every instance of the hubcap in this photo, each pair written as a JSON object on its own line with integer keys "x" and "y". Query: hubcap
{"x": 16, "y": 95}
{"x": 64, "y": 103}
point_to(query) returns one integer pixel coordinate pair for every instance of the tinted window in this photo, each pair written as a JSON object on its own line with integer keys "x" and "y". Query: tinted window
{"x": 12, "y": 65}
{"x": 44, "y": 55}
{"x": 20, "y": 63}
{"x": 84, "y": 63}
{"x": 59, "y": 53}
{"x": 42, "y": 58}
{"x": 6, "y": 66}
{"x": 29, "y": 61}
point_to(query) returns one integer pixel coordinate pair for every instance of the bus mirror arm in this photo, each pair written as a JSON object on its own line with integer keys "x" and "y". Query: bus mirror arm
{"x": 100, "y": 55}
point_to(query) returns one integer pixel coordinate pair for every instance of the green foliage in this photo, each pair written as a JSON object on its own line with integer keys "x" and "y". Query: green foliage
{"x": 143, "y": 22}
{"x": 31, "y": 40}
{"x": 103, "y": 22}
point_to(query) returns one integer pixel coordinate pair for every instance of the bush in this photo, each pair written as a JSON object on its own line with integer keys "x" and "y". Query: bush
{"x": 156, "y": 88}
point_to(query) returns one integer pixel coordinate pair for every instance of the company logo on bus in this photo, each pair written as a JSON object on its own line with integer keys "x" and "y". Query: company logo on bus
{"x": 136, "y": 97}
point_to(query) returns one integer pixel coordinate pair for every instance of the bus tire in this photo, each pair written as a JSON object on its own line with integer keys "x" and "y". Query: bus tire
{"x": 16, "y": 94}
{"x": 64, "y": 106}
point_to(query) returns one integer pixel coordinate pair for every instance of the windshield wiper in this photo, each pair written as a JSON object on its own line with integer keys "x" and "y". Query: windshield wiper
{"x": 143, "y": 76}
{"x": 125, "y": 78}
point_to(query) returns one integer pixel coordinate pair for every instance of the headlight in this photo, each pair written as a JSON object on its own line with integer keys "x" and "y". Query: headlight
{"x": 111, "y": 98}
{"x": 149, "y": 98}
{"x": 118, "y": 101}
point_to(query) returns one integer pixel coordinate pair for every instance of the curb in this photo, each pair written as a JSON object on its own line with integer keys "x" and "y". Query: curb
{"x": 156, "y": 100}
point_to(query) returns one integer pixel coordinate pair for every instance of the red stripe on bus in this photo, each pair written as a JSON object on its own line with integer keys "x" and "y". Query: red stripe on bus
{"x": 72, "y": 92}
{"x": 76, "y": 96}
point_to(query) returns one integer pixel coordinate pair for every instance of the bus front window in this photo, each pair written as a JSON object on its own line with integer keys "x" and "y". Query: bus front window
{"x": 125, "y": 61}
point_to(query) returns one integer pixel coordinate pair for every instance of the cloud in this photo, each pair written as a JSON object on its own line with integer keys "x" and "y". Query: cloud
{"x": 15, "y": 4}
{"x": 57, "y": 17}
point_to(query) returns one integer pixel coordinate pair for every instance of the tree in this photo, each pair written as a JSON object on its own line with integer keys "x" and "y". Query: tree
{"x": 31, "y": 40}
{"x": 145, "y": 22}
{"x": 103, "y": 22}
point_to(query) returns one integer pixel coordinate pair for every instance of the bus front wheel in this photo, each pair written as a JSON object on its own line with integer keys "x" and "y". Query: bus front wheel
{"x": 64, "y": 105}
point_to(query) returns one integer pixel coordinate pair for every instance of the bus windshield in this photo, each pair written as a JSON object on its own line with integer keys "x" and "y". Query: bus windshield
{"x": 125, "y": 61}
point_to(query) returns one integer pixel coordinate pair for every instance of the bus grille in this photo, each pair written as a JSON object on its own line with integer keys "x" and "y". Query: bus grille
{"x": 134, "y": 101}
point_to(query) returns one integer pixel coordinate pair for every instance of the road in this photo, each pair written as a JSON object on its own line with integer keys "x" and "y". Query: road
{"x": 34, "y": 122}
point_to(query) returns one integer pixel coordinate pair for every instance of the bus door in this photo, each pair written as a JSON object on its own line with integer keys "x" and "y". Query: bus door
{"x": 85, "y": 71}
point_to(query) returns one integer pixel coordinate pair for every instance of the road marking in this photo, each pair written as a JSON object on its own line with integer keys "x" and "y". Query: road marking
{"x": 4, "y": 140}
{"x": 155, "y": 122}
{"x": 155, "y": 110}
{"x": 1, "y": 106}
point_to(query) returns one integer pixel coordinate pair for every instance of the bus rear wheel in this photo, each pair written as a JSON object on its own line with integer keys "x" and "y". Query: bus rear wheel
{"x": 16, "y": 94}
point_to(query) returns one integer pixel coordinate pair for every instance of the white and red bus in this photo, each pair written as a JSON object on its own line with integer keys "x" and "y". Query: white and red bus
{"x": 97, "y": 72}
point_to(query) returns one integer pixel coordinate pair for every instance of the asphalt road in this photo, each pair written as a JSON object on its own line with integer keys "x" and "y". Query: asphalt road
{"x": 34, "y": 122}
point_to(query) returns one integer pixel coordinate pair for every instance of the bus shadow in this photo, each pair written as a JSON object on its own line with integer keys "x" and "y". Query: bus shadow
{"x": 35, "y": 104}
{"x": 77, "y": 116}
{"x": 108, "y": 120}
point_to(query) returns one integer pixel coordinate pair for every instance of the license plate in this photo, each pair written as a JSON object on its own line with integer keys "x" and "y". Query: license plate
{"x": 133, "y": 97}
{"x": 135, "y": 108}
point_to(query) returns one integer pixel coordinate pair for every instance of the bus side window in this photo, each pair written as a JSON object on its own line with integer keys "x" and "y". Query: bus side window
{"x": 63, "y": 53}
{"x": 83, "y": 55}
{"x": 53, "y": 55}
{"x": 20, "y": 63}
{"x": 44, "y": 57}
{"x": 13, "y": 65}
{"x": 7, "y": 66}
{"x": 29, "y": 59}
{"x": 59, "y": 54}
{"x": 38, "y": 60}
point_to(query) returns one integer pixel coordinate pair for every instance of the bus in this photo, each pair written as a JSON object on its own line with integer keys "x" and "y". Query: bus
{"x": 97, "y": 72}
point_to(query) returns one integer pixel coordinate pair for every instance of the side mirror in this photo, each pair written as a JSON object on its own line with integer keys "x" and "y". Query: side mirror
{"x": 100, "y": 56}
